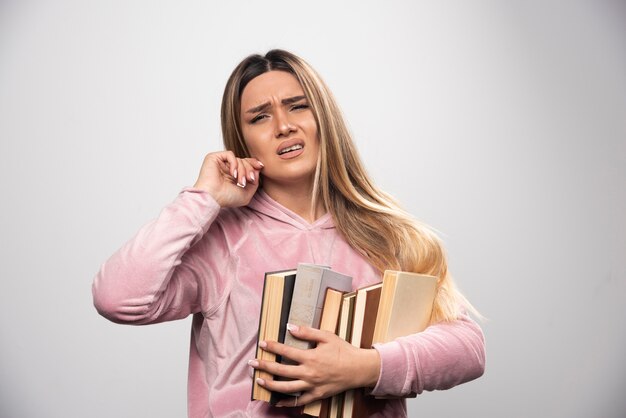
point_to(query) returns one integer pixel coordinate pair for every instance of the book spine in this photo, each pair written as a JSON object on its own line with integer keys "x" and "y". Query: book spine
{"x": 289, "y": 285}
{"x": 269, "y": 287}
{"x": 261, "y": 331}
{"x": 369, "y": 317}
{"x": 304, "y": 301}
{"x": 328, "y": 322}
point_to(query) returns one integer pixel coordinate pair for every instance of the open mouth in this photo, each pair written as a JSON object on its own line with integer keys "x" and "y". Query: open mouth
{"x": 292, "y": 148}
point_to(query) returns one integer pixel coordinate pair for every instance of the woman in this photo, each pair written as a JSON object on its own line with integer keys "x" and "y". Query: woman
{"x": 290, "y": 188}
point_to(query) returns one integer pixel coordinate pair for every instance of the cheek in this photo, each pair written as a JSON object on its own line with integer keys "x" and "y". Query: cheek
{"x": 315, "y": 134}
{"x": 251, "y": 142}
{"x": 311, "y": 128}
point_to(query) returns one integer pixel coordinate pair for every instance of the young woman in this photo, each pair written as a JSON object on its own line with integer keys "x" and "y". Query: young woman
{"x": 289, "y": 188}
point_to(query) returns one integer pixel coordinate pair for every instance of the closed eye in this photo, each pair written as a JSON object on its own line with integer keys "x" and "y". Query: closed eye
{"x": 300, "y": 106}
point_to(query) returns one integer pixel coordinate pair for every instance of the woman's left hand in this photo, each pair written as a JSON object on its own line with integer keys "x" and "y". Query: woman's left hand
{"x": 333, "y": 366}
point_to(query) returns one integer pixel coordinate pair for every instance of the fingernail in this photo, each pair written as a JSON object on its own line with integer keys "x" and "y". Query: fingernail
{"x": 241, "y": 185}
{"x": 261, "y": 164}
{"x": 292, "y": 328}
{"x": 235, "y": 174}
{"x": 263, "y": 344}
{"x": 253, "y": 363}
{"x": 260, "y": 381}
{"x": 252, "y": 178}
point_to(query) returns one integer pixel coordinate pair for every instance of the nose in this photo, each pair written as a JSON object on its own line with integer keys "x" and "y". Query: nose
{"x": 283, "y": 126}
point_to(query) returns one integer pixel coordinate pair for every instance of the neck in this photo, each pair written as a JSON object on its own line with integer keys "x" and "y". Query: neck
{"x": 296, "y": 198}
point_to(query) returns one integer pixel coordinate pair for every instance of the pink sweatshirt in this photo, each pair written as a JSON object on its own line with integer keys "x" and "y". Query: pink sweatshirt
{"x": 199, "y": 259}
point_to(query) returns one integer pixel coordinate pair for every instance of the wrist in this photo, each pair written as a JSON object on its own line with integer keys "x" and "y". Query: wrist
{"x": 369, "y": 367}
{"x": 216, "y": 196}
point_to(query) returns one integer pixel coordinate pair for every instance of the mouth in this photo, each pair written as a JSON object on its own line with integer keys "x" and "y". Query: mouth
{"x": 290, "y": 147}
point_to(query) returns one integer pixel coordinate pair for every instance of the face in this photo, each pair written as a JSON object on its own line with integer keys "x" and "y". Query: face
{"x": 279, "y": 129}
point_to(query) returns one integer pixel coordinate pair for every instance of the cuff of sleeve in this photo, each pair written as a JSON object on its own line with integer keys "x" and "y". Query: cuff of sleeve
{"x": 203, "y": 207}
{"x": 392, "y": 378}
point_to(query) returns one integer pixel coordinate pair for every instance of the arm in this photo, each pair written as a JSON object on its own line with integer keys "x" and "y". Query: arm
{"x": 146, "y": 280}
{"x": 161, "y": 274}
{"x": 444, "y": 355}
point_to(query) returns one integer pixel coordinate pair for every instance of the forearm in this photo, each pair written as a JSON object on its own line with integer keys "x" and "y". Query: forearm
{"x": 364, "y": 368}
{"x": 444, "y": 355}
{"x": 143, "y": 281}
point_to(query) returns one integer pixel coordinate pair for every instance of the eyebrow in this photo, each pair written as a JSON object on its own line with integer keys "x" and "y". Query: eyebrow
{"x": 287, "y": 101}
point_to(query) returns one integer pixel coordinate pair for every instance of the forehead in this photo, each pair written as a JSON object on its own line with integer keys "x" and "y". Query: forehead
{"x": 270, "y": 86}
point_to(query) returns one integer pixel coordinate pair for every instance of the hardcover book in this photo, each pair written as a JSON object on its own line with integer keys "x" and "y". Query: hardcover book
{"x": 308, "y": 297}
{"x": 406, "y": 304}
{"x": 328, "y": 322}
{"x": 309, "y": 292}
{"x": 277, "y": 293}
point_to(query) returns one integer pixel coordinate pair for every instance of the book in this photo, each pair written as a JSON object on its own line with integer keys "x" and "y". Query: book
{"x": 331, "y": 310}
{"x": 364, "y": 316}
{"x": 312, "y": 280}
{"x": 400, "y": 305}
{"x": 406, "y": 304}
{"x": 277, "y": 294}
{"x": 363, "y": 320}
{"x": 344, "y": 331}
{"x": 308, "y": 297}
{"x": 309, "y": 292}
{"x": 345, "y": 318}
{"x": 282, "y": 329}
{"x": 328, "y": 322}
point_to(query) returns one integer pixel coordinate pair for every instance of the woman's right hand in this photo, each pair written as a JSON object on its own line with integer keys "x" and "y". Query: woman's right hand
{"x": 231, "y": 181}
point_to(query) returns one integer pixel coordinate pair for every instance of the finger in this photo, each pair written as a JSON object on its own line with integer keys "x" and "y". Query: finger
{"x": 292, "y": 353}
{"x": 251, "y": 174}
{"x": 308, "y": 333}
{"x": 255, "y": 163}
{"x": 302, "y": 400}
{"x": 284, "y": 386}
{"x": 231, "y": 160}
{"x": 224, "y": 167}
{"x": 278, "y": 369}
{"x": 241, "y": 173}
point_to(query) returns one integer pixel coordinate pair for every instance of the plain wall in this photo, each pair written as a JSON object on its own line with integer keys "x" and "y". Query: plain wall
{"x": 501, "y": 124}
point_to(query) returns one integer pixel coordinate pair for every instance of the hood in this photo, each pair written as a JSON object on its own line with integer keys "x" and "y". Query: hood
{"x": 267, "y": 206}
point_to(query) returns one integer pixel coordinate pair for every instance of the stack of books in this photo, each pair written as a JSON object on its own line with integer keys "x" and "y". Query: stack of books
{"x": 317, "y": 296}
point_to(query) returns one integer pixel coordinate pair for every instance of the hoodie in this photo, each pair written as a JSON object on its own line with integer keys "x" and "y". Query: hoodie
{"x": 199, "y": 259}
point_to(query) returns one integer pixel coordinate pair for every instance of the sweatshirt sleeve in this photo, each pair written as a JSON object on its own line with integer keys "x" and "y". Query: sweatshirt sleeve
{"x": 161, "y": 273}
{"x": 444, "y": 355}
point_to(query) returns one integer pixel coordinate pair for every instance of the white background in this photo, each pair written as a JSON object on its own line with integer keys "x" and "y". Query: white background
{"x": 501, "y": 124}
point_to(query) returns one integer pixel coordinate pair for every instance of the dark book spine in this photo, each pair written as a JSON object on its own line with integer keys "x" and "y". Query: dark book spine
{"x": 290, "y": 282}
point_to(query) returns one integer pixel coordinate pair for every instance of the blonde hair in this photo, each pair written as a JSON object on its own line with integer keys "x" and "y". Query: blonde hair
{"x": 369, "y": 219}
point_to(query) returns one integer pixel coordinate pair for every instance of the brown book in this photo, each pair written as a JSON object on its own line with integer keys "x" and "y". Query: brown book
{"x": 344, "y": 331}
{"x": 363, "y": 321}
{"x": 329, "y": 322}
{"x": 406, "y": 304}
{"x": 277, "y": 292}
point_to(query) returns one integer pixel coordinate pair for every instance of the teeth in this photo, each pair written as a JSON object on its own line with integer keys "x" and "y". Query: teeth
{"x": 291, "y": 148}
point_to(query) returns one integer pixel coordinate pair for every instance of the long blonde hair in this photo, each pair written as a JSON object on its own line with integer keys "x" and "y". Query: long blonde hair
{"x": 369, "y": 219}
